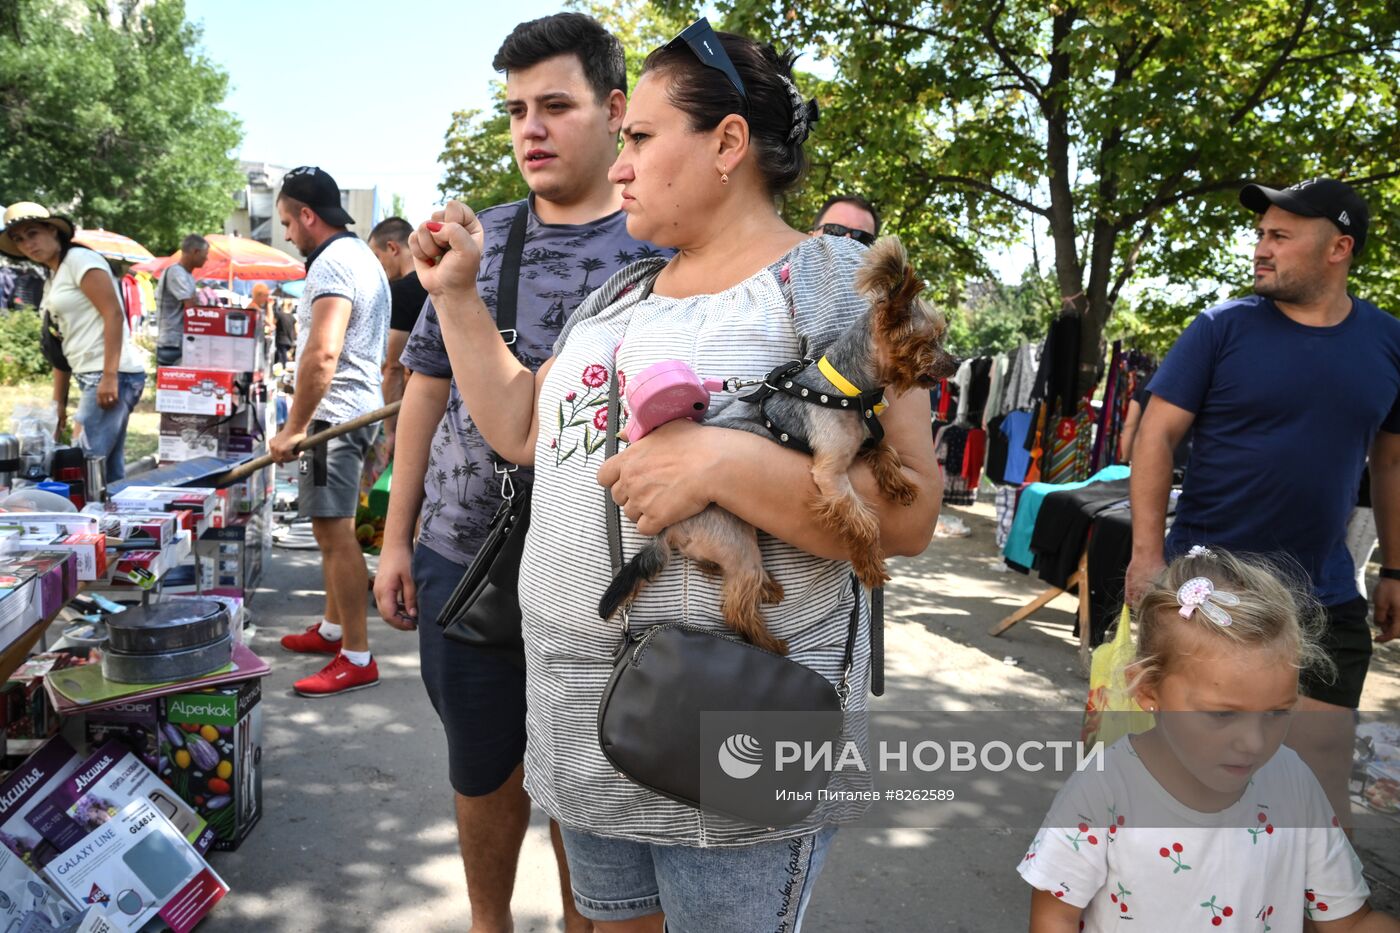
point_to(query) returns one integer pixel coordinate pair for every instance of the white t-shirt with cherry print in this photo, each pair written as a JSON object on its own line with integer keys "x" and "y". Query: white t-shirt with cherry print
{"x": 1136, "y": 859}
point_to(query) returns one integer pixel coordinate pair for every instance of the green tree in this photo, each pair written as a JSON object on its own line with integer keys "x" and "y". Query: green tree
{"x": 120, "y": 123}
{"x": 477, "y": 159}
{"x": 1120, "y": 129}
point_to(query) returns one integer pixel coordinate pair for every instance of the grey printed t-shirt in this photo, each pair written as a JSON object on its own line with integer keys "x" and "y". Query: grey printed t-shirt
{"x": 175, "y": 286}
{"x": 561, "y": 264}
{"x": 344, "y": 267}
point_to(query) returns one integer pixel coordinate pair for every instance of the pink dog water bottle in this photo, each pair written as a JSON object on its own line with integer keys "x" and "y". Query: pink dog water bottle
{"x": 664, "y": 392}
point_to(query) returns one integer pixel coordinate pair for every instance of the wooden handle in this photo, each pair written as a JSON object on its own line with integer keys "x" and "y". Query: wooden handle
{"x": 306, "y": 443}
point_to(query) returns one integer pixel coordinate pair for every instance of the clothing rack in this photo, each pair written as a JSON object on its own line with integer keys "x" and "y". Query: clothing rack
{"x": 1079, "y": 583}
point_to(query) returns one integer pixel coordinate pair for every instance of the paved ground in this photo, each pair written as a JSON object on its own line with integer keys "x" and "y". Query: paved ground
{"x": 358, "y": 832}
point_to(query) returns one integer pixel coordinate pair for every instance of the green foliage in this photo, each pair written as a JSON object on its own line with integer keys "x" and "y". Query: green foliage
{"x": 1121, "y": 130}
{"x": 993, "y": 317}
{"x": 478, "y": 163}
{"x": 119, "y": 124}
{"x": 20, "y": 359}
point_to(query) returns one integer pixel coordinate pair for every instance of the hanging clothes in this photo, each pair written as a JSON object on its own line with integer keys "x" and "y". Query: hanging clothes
{"x": 1005, "y": 512}
{"x": 995, "y": 384}
{"x": 1016, "y": 427}
{"x": 1020, "y": 377}
{"x": 979, "y": 385}
{"x": 1057, "y": 379}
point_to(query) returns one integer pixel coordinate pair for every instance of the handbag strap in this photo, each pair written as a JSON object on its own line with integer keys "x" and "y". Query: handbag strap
{"x": 507, "y": 297}
{"x": 508, "y": 284}
{"x": 877, "y": 595}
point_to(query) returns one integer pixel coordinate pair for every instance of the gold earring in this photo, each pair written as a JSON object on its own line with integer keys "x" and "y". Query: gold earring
{"x": 723, "y": 178}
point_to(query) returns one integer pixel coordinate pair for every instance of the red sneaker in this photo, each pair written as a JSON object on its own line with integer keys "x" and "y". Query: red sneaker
{"x": 340, "y": 676}
{"x": 311, "y": 641}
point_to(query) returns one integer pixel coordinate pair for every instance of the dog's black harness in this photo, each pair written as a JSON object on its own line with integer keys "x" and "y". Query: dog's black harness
{"x": 780, "y": 381}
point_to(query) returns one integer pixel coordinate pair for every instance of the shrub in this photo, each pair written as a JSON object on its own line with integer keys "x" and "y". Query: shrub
{"x": 20, "y": 357}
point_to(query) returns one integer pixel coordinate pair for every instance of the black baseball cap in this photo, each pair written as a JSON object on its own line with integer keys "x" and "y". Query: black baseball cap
{"x": 317, "y": 190}
{"x": 1319, "y": 197}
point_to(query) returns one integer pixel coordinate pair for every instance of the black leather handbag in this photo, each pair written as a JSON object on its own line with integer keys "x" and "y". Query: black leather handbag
{"x": 652, "y": 720}
{"x": 484, "y": 608}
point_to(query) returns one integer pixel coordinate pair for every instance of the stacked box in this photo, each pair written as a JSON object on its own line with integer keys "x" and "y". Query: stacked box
{"x": 202, "y": 501}
{"x": 231, "y": 558}
{"x": 187, "y": 436}
{"x": 110, "y": 778}
{"x": 135, "y": 724}
{"x": 190, "y": 391}
{"x": 211, "y": 752}
{"x": 223, "y": 338}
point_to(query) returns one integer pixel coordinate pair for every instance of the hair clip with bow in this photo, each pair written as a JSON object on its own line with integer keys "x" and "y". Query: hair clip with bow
{"x": 1200, "y": 593}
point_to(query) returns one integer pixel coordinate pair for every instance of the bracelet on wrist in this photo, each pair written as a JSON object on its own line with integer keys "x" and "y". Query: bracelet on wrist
{"x": 1390, "y": 573}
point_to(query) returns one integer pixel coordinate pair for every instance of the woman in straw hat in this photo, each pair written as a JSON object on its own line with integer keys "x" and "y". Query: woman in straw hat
{"x": 83, "y": 312}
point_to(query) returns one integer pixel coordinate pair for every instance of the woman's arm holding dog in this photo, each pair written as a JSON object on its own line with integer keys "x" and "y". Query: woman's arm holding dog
{"x": 679, "y": 469}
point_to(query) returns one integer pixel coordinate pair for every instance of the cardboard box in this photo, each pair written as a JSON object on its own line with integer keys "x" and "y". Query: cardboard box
{"x": 223, "y": 338}
{"x": 186, "y": 437}
{"x": 232, "y": 557}
{"x": 202, "y": 501}
{"x": 211, "y": 749}
{"x": 136, "y": 867}
{"x": 103, "y": 785}
{"x": 27, "y": 787}
{"x": 184, "y": 390}
{"x": 29, "y": 904}
{"x": 135, "y": 724}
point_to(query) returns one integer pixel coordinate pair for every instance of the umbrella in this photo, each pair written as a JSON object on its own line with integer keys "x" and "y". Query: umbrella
{"x": 112, "y": 245}
{"x": 233, "y": 257}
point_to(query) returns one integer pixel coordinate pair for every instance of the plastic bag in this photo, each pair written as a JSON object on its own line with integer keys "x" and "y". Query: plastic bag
{"x": 34, "y": 423}
{"x": 1108, "y": 690}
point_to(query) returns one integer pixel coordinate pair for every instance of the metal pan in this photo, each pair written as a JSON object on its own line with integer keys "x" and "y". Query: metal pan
{"x": 170, "y": 625}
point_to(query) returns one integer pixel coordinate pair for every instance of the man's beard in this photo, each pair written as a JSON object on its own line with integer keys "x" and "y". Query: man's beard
{"x": 1285, "y": 289}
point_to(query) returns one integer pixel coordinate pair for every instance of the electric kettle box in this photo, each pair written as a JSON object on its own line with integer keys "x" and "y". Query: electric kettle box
{"x": 223, "y": 338}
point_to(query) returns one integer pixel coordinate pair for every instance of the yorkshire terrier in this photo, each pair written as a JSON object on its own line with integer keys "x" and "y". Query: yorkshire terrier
{"x": 897, "y": 346}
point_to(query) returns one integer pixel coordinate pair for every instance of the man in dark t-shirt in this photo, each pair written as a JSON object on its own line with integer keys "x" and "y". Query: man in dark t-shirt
{"x": 565, "y": 96}
{"x": 1285, "y": 392}
{"x": 389, "y": 243}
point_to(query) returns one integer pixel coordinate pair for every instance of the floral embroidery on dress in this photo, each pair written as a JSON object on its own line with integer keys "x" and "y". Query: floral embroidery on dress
{"x": 586, "y": 409}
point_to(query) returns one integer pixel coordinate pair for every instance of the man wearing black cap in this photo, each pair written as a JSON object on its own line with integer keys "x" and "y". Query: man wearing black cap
{"x": 342, "y": 322}
{"x": 1286, "y": 392}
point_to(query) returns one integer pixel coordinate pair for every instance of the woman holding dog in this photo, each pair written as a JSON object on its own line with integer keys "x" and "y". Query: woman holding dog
{"x": 709, "y": 145}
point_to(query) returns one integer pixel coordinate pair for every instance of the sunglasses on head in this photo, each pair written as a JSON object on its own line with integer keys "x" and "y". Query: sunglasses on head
{"x": 701, "y": 39}
{"x": 860, "y": 236}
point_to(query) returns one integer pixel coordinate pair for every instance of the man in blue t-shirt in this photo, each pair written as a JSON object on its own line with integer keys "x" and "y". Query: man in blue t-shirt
{"x": 1285, "y": 392}
{"x": 565, "y": 95}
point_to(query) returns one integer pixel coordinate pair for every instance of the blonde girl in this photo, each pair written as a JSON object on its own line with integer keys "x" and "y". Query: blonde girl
{"x": 1206, "y": 821}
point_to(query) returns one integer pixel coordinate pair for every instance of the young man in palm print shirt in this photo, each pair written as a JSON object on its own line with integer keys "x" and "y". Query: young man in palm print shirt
{"x": 565, "y": 90}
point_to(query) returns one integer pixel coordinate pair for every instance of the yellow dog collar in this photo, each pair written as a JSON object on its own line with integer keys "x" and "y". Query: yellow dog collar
{"x": 845, "y": 385}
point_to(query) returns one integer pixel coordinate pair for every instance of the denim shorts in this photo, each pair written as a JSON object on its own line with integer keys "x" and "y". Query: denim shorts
{"x": 104, "y": 429}
{"x": 763, "y": 887}
{"x": 479, "y": 696}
